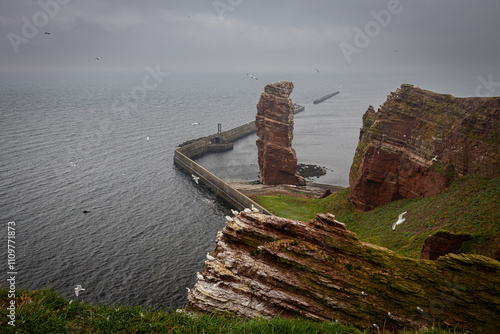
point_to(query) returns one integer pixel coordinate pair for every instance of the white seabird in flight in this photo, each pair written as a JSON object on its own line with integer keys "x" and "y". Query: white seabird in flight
{"x": 78, "y": 288}
{"x": 196, "y": 178}
{"x": 253, "y": 77}
{"x": 399, "y": 221}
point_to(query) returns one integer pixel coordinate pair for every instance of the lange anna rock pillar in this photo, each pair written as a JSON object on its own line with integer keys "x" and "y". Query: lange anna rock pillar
{"x": 274, "y": 123}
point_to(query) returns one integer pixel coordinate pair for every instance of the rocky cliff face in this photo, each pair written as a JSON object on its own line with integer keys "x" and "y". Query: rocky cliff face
{"x": 418, "y": 141}
{"x": 270, "y": 266}
{"x": 274, "y": 124}
{"x": 442, "y": 243}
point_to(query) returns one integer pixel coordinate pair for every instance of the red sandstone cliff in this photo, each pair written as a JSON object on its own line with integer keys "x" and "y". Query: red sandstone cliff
{"x": 418, "y": 141}
{"x": 274, "y": 124}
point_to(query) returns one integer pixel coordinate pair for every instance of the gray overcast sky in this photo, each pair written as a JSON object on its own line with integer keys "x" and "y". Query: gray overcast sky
{"x": 250, "y": 35}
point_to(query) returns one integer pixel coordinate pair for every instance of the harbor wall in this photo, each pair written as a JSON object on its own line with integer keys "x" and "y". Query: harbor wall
{"x": 221, "y": 188}
{"x": 208, "y": 144}
{"x": 184, "y": 158}
{"x": 326, "y": 97}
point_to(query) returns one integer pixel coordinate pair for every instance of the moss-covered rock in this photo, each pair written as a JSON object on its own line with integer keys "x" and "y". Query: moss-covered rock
{"x": 322, "y": 271}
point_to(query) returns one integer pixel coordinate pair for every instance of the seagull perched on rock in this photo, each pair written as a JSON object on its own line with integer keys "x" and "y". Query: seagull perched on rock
{"x": 200, "y": 276}
{"x": 210, "y": 257}
{"x": 196, "y": 178}
{"x": 229, "y": 219}
{"x": 247, "y": 210}
{"x": 254, "y": 209}
{"x": 78, "y": 288}
{"x": 234, "y": 212}
{"x": 399, "y": 221}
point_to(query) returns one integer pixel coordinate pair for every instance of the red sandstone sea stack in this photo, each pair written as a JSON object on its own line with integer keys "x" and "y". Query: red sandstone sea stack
{"x": 274, "y": 123}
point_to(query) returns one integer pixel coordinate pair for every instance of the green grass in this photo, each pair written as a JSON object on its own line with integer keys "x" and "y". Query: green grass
{"x": 45, "y": 311}
{"x": 471, "y": 204}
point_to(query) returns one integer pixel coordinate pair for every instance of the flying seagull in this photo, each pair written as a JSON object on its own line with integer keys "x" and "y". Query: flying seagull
{"x": 399, "y": 221}
{"x": 435, "y": 158}
{"x": 253, "y": 77}
{"x": 317, "y": 70}
{"x": 98, "y": 58}
{"x": 364, "y": 294}
{"x": 47, "y": 33}
{"x": 196, "y": 123}
{"x": 196, "y": 178}
{"x": 78, "y": 288}
{"x": 147, "y": 138}
{"x": 419, "y": 310}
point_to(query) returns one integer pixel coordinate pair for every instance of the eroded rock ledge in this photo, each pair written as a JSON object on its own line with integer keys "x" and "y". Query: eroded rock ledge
{"x": 270, "y": 266}
{"x": 418, "y": 141}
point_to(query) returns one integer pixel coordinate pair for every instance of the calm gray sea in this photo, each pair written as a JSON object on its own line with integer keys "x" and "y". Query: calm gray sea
{"x": 102, "y": 143}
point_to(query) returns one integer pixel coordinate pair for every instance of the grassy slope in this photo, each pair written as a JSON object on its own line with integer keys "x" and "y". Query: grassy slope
{"x": 471, "y": 205}
{"x": 45, "y": 311}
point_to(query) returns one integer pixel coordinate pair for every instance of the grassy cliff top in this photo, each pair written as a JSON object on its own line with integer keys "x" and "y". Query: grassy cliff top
{"x": 45, "y": 311}
{"x": 470, "y": 205}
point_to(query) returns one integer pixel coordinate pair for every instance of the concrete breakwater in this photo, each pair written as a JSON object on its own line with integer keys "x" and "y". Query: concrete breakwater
{"x": 326, "y": 97}
{"x": 222, "y": 141}
{"x": 183, "y": 157}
